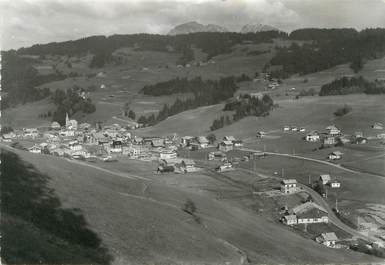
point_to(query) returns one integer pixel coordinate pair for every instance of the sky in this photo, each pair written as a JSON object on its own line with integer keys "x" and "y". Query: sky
{"x": 27, "y": 22}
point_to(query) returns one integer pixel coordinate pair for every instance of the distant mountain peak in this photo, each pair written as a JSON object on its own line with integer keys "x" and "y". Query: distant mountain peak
{"x": 257, "y": 28}
{"x": 193, "y": 26}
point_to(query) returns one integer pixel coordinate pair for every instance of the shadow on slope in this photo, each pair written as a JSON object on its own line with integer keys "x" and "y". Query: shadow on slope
{"x": 35, "y": 229}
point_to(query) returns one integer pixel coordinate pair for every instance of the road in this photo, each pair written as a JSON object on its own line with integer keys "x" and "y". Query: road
{"x": 320, "y": 200}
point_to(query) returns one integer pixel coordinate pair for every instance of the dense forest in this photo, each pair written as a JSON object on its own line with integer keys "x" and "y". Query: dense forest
{"x": 205, "y": 93}
{"x": 244, "y": 106}
{"x": 325, "y": 48}
{"x": 19, "y": 80}
{"x": 184, "y": 85}
{"x": 345, "y": 85}
{"x": 70, "y": 102}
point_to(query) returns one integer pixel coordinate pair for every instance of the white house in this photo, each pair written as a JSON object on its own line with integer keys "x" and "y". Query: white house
{"x": 31, "y": 132}
{"x": 286, "y": 128}
{"x": 203, "y": 141}
{"x": 335, "y": 155}
{"x": 312, "y": 137}
{"x": 289, "y": 186}
{"x": 167, "y": 155}
{"x": 333, "y": 130}
{"x": 290, "y": 219}
{"x": 225, "y": 167}
{"x": 328, "y": 239}
{"x": 335, "y": 184}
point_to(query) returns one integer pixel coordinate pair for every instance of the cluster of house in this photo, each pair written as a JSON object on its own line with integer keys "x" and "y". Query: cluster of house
{"x": 309, "y": 212}
{"x": 201, "y": 142}
{"x": 333, "y": 135}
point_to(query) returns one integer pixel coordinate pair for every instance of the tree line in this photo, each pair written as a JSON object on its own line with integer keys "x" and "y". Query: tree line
{"x": 244, "y": 106}
{"x": 205, "y": 93}
{"x": 353, "y": 85}
{"x": 212, "y": 43}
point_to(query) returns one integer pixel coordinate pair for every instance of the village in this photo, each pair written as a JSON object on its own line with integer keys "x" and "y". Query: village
{"x": 172, "y": 153}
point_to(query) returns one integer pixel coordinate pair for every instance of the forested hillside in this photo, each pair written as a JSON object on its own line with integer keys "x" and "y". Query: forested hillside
{"x": 327, "y": 48}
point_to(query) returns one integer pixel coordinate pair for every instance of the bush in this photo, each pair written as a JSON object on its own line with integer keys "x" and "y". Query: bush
{"x": 343, "y": 111}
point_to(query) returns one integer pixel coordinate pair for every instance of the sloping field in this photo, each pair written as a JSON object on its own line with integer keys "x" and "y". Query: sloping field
{"x": 27, "y": 115}
{"x": 141, "y": 221}
{"x": 313, "y": 113}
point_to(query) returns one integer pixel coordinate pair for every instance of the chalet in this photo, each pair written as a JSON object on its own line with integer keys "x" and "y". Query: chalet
{"x": 289, "y": 186}
{"x": 75, "y": 146}
{"x": 167, "y": 155}
{"x": 225, "y": 167}
{"x": 330, "y": 140}
{"x": 30, "y": 133}
{"x": 216, "y": 156}
{"x": 335, "y": 184}
{"x": 378, "y": 126}
{"x": 186, "y": 140}
{"x": 290, "y": 219}
{"x": 157, "y": 142}
{"x": 225, "y": 146}
{"x": 335, "y": 155}
{"x": 312, "y": 137}
{"x": 202, "y": 141}
{"x": 138, "y": 140}
{"x": 328, "y": 239}
{"x": 35, "y": 149}
{"x": 333, "y": 130}
{"x": 188, "y": 165}
{"x": 309, "y": 212}
{"x": 325, "y": 179}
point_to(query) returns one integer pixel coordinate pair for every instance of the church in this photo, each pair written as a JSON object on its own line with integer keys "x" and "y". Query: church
{"x": 71, "y": 124}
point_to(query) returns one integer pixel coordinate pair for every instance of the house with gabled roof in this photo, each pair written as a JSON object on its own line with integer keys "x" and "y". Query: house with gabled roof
{"x": 328, "y": 239}
{"x": 225, "y": 146}
{"x": 289, "y": 186}
{"x": 309, "y": 212}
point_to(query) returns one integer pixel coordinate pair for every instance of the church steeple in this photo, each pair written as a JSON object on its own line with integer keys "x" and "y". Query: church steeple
{"x": 67, "y": 120}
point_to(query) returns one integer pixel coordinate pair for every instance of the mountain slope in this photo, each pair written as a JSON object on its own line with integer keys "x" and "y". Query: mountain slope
{"x": 141, "y": 221}
{"x": 192, "y": 27}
